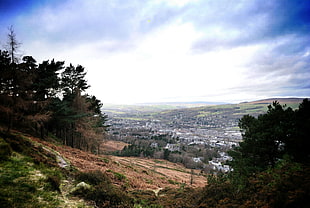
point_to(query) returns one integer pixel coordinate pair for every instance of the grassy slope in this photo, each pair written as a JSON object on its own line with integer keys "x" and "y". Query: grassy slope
{"x": 30, "y": 176}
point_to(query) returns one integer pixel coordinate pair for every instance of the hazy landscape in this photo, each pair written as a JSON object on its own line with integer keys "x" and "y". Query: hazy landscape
{"x": 154, "y": 104}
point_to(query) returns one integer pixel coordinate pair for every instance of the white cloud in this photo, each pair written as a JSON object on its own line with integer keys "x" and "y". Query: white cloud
{"x": 178, "y": 3}
{"x": 162, "y": 66}
{"x": 160, "y": 50}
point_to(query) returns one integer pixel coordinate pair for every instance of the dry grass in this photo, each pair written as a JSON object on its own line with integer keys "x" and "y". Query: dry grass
{"x": 112, "y": 146}
{"x": 140, "y": 173}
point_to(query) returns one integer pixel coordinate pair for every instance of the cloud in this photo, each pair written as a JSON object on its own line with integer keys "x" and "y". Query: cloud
{"x": 84, "y": 21}
{"x": 229, "y": 24}
{"x": 143, "y": 51}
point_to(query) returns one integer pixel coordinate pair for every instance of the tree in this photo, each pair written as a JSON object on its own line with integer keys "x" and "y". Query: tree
{"x": 5, "y": 83}
{"x": 5, "y": 78}
{"x": 47, "y": 81}
{"x": 271, "y": 136}
{"x": 37, "y": 99}
{"x": 73, "y": 81}
{"x": 12, "y": 45}
{"x": 297, "y": 143}
{"x": 17, "y": 103}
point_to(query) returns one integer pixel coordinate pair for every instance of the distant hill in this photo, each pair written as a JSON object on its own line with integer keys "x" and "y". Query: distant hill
{"x": 189, "y": 103}
{"x": 282, "y": 101}
{"x": 165, "y": 112}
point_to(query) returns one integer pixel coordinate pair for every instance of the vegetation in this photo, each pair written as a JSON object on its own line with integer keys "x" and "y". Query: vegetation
{"x": 102, "y": 192}
{"x": 28, "y": 175}
{"x": 281, "y": 132}
{"x": 31, "y": 177}
{"x": 49, "y": 98}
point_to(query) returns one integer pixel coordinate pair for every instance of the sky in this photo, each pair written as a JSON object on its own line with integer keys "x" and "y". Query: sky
{"x": 144, "y": 51}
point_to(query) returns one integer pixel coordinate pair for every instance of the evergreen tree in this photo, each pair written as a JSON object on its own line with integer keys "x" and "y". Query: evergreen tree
{"x": 5, "y": 83}
{"x": 16, "y": 92}
{"x": 297, "y": 142}
{"x": 47, "y": 81}
{"x": 73, "y": 81}
{"x": 39, "y": 99}
{"x": 267, "y": 138}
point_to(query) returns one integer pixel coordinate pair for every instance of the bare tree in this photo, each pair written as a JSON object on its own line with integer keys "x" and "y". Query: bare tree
{"x": 12, "y": 44}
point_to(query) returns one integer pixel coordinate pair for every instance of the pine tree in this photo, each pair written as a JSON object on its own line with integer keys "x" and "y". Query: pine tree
{"x": 47, "y": 81}
{"x": 271, "y": 136}
{"x": 12, "y": 45}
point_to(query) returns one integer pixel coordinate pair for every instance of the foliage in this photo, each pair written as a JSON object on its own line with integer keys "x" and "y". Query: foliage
{"x": 49, "y": 98}
{"x": 103, "y": 193}
{"x": 5, "y": 150}
{"x": 267, "y": 138}
{"x": 136, "y": 151}
{"x": 25, "y": 184}
{"x": 285, "y": 186}
{"x": 93, "y": 177}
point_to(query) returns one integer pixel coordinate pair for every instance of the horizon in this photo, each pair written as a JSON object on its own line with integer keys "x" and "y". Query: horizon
{"x": 203, "y": 102}
{"x": 171, "y": 51}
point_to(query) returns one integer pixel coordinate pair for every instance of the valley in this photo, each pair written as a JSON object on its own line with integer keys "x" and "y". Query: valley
{"x": 197, "y": 135}
{"x": 158, "y": 158}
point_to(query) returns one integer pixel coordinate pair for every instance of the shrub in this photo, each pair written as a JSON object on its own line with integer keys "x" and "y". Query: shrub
{"x": 5, "y": 150}
{"x": 106, "y": 195}
{"x": 93, "y": 177}
{"x": 102, "y": 192}
{"x": 54, "y": 182}
{"x": 119, "y": 176}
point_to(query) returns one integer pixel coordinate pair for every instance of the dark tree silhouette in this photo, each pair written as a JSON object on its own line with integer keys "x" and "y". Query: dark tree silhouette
{"x": 12, "y": 44}
{"x": 271, "y": 136}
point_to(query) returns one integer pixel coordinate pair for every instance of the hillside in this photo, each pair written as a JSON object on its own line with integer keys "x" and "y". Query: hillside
{"x": 56, "y": 166}
{"x": 160, "y": 111}
{"x": 282, "y": 101}
{"x": 139, "y": 173}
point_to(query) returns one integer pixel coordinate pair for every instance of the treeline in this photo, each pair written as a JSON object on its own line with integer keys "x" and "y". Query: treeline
{"x": 49, "y": 98}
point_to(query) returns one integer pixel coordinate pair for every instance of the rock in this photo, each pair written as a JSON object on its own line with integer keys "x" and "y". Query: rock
{"x": 83, "y": 185}
{"x": 80, "y": 188}
{"x": 61, "y": 161}
{"x": 156, "y": 191}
